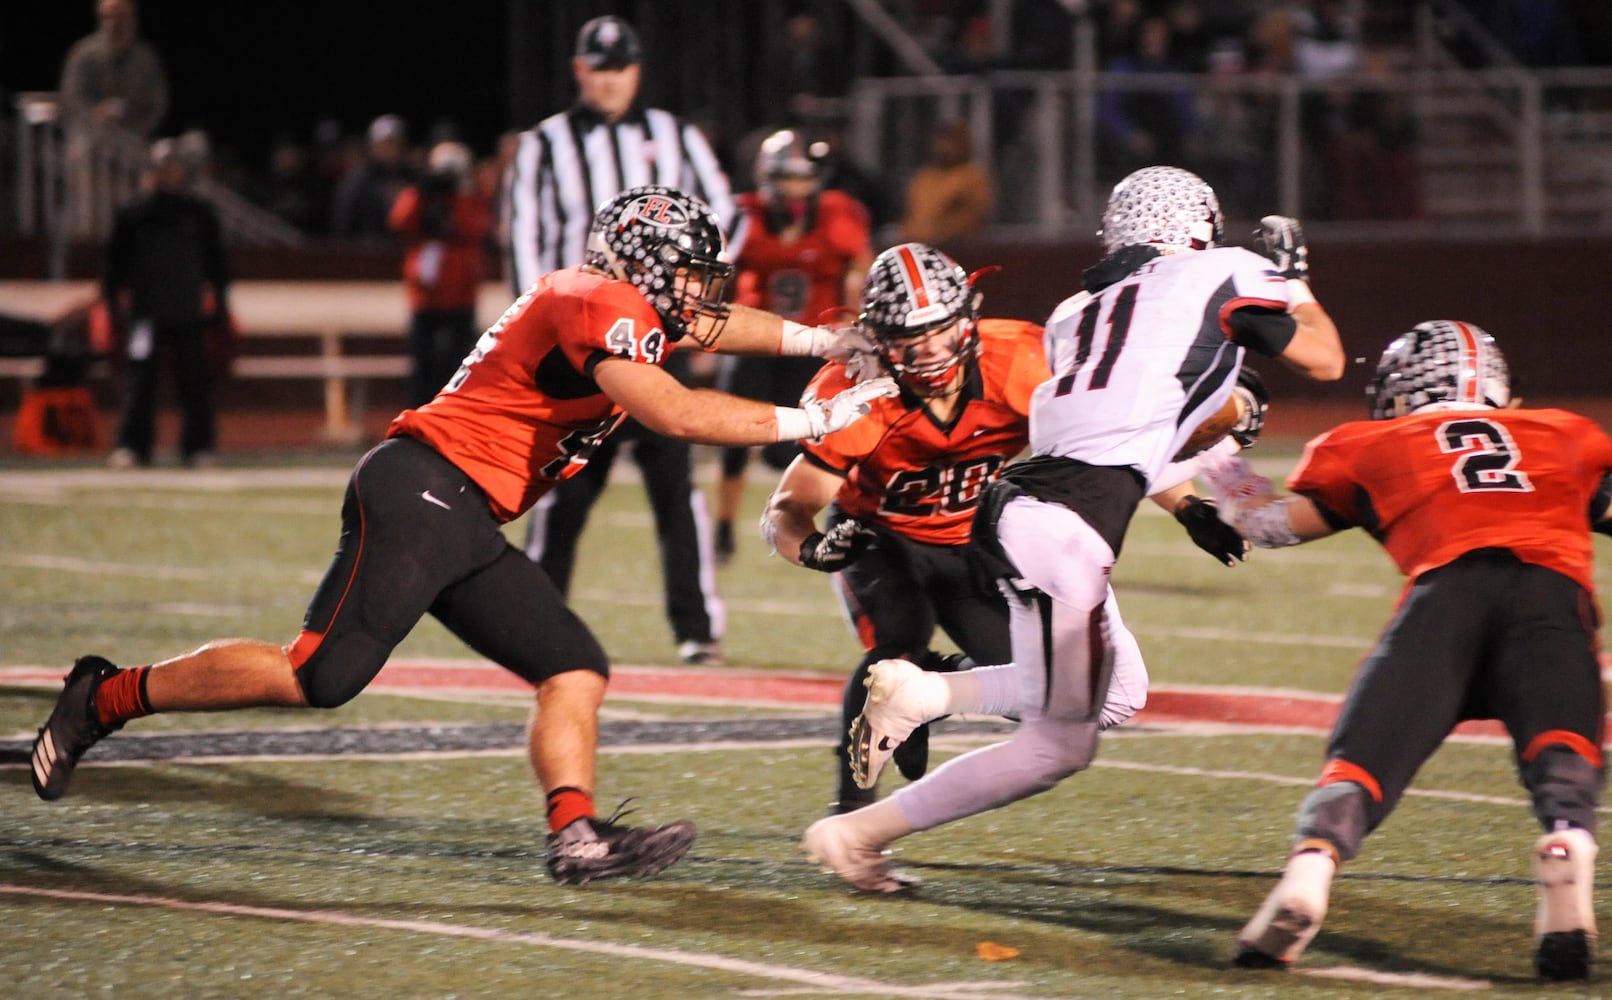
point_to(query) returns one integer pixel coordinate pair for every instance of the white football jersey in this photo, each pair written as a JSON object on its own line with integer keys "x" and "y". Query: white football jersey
{"x": 1139, "y": 365}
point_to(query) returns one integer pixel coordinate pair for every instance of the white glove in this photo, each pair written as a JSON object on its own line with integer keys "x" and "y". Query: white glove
{"x": 817, "y": 417}
{"x": 1234, "y": 483}
{"x": 853, "y": 348}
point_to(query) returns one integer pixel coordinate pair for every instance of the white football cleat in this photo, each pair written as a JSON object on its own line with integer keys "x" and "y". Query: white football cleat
{"x": 1564, "y": 925}
{"x": 832, "y": 842}
{"x": 901, "y": 697}
{"x": 1291, "y": 915}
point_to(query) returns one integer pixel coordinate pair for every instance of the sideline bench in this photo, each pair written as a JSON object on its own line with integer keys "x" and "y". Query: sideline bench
{"x": 273, "y": 316}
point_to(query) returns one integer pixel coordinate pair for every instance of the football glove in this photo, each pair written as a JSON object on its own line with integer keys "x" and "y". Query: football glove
{"x": 825, "y": 416}
{"x": 1208, "y": 532}
{"x": 832, "y": 550}
{"x": 1250, "y": 389}
{"x": 1280, "y": 239}
{"x": 850, "y": 346}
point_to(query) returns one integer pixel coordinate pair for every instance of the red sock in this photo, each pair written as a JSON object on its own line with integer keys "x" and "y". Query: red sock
{"x": 566, "y": 805}
{"x": 122, "y": 697}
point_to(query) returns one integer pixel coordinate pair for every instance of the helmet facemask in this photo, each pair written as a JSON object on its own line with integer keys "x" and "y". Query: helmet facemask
{"x": 920, "y": 307}
{"x": 670, "y": 247}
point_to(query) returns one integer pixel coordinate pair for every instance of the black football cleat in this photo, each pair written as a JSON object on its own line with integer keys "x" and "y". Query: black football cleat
{"x": 73, "y": 727}
{"x": 589, "y": 849}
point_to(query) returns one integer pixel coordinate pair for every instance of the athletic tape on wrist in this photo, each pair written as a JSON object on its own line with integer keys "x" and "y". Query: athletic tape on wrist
{"x": 797, "y": 340}
{"x": 794, "y": 423}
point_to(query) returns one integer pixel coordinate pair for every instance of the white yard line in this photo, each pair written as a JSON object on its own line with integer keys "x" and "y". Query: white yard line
{"x": 828, "y": 983}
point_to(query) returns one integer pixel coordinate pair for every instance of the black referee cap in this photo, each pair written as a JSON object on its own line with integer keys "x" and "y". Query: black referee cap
{"x": 608, "y": 43}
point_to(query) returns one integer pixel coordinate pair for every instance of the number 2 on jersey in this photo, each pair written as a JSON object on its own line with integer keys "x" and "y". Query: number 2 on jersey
{"x": 1119, "y": 326}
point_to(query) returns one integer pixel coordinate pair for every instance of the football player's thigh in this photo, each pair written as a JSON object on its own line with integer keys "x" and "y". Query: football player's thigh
{"x": 510, "y": 612}
{"x": 976, "y": 619}
{"x": 1410, "y": 690}
{"x": 886, "y": 600}
{"x": 1546, "y": 674}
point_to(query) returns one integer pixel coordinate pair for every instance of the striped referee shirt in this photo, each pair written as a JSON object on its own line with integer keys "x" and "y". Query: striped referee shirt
{"x": 574, "y": 161}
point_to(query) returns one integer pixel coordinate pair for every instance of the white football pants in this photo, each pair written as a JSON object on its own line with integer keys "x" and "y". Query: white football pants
{"x": 1079, "y": 670}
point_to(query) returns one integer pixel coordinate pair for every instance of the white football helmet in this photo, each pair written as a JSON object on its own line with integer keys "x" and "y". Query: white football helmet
{"x": 1165, "y": 205}
{"x": 1440, "y": 361}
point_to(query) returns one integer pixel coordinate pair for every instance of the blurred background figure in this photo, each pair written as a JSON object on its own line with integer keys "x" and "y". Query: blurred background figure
{"x": 166, "y": 284}
{"x": 364, "y": 198}
{"x": 289, "y": 187}
{"x": 566, "y": 167}
{"x": 444, "y": 221}
{"x": 802, "y": 253}
{"x": 950, "y": 196}
{"x": 113, "y": 75}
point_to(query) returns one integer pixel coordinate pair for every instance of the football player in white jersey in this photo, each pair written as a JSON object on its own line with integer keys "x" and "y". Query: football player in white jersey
{"x": 1147, "y": 351}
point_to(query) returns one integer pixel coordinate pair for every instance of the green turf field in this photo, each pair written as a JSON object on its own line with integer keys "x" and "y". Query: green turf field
{"x": 422, "y": 876}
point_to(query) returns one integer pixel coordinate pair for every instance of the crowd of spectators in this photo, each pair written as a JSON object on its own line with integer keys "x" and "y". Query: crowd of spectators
{"x": 338, "y": 180}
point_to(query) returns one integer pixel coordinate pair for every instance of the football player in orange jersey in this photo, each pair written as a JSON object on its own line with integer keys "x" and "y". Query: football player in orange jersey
{"x": 1487, "y": 509}
{"x": 901, "y": 488}
{"x": 421, "y": 523}
{"x": 802, "y": 253}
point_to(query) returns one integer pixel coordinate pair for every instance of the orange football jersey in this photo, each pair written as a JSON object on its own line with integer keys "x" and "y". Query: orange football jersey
{"x": 523, "y": 410}
{"x": 910, "y": 474}
{"x": 1438, "y": 484}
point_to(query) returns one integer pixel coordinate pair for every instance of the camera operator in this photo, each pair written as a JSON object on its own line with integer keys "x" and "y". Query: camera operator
{"x": 445, "y": 221}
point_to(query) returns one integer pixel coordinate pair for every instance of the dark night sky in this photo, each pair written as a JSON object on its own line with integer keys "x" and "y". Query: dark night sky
{"x": 244, "y": 71}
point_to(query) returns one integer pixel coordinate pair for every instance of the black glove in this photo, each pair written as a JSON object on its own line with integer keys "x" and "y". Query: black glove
{"x": 1280, "y": 239}
{"x": 837, "y": 548}
{"x": 1208, "y": 532}
{"x": 1250, "y": 389}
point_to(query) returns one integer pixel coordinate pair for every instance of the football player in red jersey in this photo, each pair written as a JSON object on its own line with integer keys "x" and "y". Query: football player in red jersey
{"x": 1487, "y": 510}
{"x": 580, "y": 350}
{"x": 901, "y": 488}
{"x": 802, "y": 253}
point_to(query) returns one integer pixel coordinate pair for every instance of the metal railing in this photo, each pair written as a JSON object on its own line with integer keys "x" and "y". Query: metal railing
{"x": 1488, "y": 152}
{"x": 73, "y": 173}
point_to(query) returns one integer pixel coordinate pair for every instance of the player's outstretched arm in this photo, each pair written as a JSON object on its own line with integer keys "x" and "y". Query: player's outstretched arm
{"x": 705, "y": 416}
{"x": 1248, "y": 502}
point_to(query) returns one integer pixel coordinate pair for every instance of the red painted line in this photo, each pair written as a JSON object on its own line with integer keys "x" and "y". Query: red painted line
{"x": 1165, "y": 705}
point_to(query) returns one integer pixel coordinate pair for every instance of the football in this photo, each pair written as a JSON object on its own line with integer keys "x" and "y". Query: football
{"x": 1217, "y": 426}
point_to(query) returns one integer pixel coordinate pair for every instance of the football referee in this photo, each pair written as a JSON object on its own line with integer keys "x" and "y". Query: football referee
{"x": 566, "y": 166}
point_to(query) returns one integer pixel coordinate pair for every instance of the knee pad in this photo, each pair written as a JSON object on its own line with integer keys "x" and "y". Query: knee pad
{"x": 1564, "y": 786}
{"x": 1051, "y": 753}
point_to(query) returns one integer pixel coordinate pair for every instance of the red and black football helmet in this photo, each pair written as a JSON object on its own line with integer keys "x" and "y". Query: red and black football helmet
{"x": 669, "y": 245}
{"x": 920, "y": 307}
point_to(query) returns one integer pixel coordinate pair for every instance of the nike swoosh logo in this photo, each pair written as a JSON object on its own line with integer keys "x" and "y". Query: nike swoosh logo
{"x": 428, "y": 498}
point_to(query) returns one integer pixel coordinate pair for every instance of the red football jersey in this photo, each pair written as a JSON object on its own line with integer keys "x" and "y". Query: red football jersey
{"x": 1435, "y": 485}
{"x": 523, "y": 410}
{"x": 910, "y": 474}
{"x": 805, "y": 279}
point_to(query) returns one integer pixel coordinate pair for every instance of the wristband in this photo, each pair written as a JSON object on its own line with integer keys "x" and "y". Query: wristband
{"x": 793, "y": 423}
{"x": 1298, "y": 293}
{"x": 796, "y": 340}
